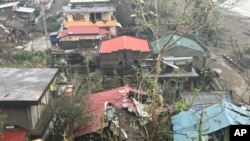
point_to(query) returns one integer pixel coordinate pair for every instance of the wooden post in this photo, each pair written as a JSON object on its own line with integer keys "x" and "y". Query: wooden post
{"x": 120, "y": 127}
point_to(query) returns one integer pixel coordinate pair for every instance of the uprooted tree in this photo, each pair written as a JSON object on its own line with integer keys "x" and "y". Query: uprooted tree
{"x": 170, "y": 17}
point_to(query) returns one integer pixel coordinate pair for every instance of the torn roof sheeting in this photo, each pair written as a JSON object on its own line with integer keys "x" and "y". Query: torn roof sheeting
{"x": 97, "y": 107}
{"x": 216, "y": 117}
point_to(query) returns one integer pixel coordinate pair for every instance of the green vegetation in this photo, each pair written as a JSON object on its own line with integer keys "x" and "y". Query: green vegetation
{"x": 51, "y": 22}
{"x": 2, "y": 118}
{"x": 161, "y": 17}
{"x": 27, "y": 59}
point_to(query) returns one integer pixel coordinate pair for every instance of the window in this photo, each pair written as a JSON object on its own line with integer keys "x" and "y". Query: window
{"x": 92, "y": 17}
{"x": 95, "y": 16}
{"x": 98, "y": 16}
{"x": 119, "y": 62}
{"x": 78, "y": 17}
{"x": 187, "y": 85}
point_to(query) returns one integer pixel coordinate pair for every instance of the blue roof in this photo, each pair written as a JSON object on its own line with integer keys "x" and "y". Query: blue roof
{"x": 184, "y": 42}
{"x": 216, "y": 117}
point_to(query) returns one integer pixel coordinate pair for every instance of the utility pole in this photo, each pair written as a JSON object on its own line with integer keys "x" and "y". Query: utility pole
{"x": 45, "y": 27}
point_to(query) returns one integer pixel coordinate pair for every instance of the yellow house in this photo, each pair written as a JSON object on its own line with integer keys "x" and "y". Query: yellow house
{"x": 91, "y": 14}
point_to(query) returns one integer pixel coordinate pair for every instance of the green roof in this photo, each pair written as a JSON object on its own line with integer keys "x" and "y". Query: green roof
{"x": 184, "y": 42}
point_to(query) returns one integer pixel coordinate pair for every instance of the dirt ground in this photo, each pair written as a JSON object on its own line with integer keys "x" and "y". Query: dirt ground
{"x": 237, "y": 27}
{"x": 230, "y": 77}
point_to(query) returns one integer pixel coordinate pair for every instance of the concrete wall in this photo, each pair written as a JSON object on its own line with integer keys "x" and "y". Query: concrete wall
{"x": 126, "y": 57}
{"x": 86, "y": 16}
{"x": 106, "y": 15}
{"x": 79, "y": 44}
{"x": 69, "y": 17}
{"x": 113, "y": 31}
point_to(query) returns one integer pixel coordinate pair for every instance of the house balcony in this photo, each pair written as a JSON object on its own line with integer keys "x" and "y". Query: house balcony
{"x": 109, "y": 23}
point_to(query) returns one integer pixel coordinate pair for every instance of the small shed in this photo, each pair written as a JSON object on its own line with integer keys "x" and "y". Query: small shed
{"x": 27, "y": 14}
{"x": 24, "y": 96}
{"x": 6, "y": 10}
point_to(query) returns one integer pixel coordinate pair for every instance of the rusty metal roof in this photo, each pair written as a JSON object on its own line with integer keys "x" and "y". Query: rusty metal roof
{"x": 13, "y": 135}
{"x": 83, "y": 30}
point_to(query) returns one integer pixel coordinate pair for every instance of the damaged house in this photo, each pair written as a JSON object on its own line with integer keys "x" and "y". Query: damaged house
{"x": 106, "y": 108}
{"x": 211, "y": 123}
{"x": 27, "y": 15}
{"x": 24, "y": 96}
{"x": 177, "y": 74}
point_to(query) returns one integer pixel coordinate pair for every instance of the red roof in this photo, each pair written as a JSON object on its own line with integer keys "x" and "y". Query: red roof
{"x": 13, "y": 135}
{"x": 124, "y": 42}
{"x": 83, "y": 30}
{"x": 96, "y": 107}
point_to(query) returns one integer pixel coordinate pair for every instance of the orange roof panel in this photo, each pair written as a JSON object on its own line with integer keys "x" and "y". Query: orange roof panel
{"x": 124, "y": 43}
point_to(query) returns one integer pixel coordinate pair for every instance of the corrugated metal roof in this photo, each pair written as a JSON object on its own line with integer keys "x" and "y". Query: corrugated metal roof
{"x": 94, "y": 9}
{"x": 9, "y": 4}
{"x": 216, "y": 117}
{"x": 13, "y": 135}
{"x": 25, "y": 10}
{"x": 96, "y": 106}
{"x": 83, "y": 30}
{"x": 124, "y": 43}
{"x": 184, "y": 42}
